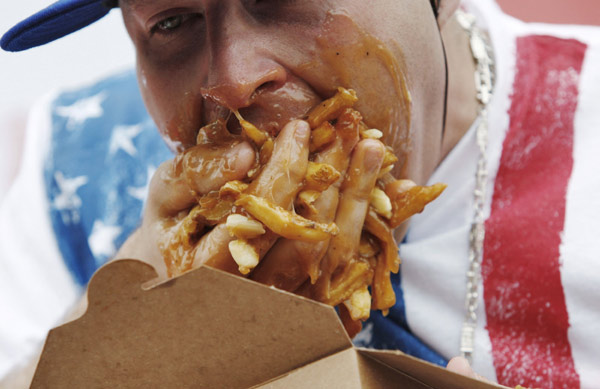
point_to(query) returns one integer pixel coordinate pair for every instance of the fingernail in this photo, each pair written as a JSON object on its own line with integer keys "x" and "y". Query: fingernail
{"x": 373, "y": 157}
{"x": 301, "y": 131}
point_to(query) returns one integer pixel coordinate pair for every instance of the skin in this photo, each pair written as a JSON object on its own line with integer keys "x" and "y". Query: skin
{"x": 272, "y": 60}
{"x": 267, "y": 59}
{"x": 197, "y": 59}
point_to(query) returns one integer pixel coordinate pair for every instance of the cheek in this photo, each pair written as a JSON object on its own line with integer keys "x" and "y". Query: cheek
{"x": 427, "y": 71}
{"x": 411, "y": 58}
{"x": 174, "y": 107}
{"x": 349, "y": 56}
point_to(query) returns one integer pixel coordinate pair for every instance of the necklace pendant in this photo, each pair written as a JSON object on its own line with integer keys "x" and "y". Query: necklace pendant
{"x": 467, "y": 340}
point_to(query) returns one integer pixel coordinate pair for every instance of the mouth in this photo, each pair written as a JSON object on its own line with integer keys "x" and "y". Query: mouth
{"x": 270, "y": 108}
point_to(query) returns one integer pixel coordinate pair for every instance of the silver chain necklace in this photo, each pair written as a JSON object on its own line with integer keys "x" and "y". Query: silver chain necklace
{"x": 484, "y": 84}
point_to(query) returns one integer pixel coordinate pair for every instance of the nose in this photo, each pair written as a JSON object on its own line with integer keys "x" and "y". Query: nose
{"x": 241, "y": 63}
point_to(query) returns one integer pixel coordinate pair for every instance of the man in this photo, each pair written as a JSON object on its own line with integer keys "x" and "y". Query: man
{"x": 274, "y": 60}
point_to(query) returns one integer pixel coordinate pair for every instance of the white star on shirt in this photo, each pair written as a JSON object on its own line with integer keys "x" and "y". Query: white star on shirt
{"x": 141, "y": 192}
{"x": 366, "y": 335}
{"x": 67, "y": 199}
{"x": 102, "y": 239}
{"x": 122, "y": 138}
{"x": 82, "y": 110}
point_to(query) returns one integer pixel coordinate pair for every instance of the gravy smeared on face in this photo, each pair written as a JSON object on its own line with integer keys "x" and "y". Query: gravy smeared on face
{"x": 342, "y": 42}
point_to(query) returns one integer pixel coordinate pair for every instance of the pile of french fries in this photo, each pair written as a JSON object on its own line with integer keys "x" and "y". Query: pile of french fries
{"x": 355, "y": 285}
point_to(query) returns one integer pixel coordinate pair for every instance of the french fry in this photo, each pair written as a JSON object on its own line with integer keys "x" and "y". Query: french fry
{"x": 232, "y": 189}
{"x": 371, "y": 133}
{"x": 408, "y": 199}
{"x": 368, "y": 246}
{"x": 306, "y": 199}
{"x": 341, "y": 280}
{"x": 244, "y": 254}
{"x": 359, "y": 304}
{"x": 385, "y": 171}
{"x": 285, "y": 223}
{"x": 389, "y": 158}
{"x": 321, "y": 137}
{"x": 357, "y": 275}
{"x": 352, "y": 327}
{"x": 380, "y": 229}
{"x": 347, "y": 127}
{"x": 266, "y": 151}
{"x": 319, "y": 176}
{"x": 383, "y": 293}
{"x": 331, "y": 108}
{"x": 242, "y": 227}
{"x": 381, "y": 203}
{"x": 257, "y": 136}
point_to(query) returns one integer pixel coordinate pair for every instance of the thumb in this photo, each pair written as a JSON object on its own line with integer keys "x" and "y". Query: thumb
{"x": 461, "y": 366}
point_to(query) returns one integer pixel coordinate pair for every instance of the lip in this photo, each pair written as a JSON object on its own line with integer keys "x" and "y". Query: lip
{"x": 270, "y": 107}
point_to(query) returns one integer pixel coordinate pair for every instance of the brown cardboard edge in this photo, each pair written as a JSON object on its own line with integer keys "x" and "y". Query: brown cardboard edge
{"x": 345, "y": 369}
{"x": 284, "y": 377}
{"x": 428, "y": 375}
{"x": 425, "y": 372}
{"x": 127, "y": 277}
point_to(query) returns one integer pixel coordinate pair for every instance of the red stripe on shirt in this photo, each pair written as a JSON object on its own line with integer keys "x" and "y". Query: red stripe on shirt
{"x": 527, "y": 317}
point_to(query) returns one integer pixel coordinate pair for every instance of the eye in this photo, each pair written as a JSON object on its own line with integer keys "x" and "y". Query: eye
{"x": 170, "y": 23}
{"x": 174, "y": 22}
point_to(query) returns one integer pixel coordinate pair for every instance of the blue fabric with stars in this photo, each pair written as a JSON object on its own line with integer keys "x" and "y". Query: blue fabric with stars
{"x": 104, "y": 150}
{"x": 392, "y": 332}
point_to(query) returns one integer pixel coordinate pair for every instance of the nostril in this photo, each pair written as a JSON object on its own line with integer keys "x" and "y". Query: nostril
{"x": 268, "y": 86}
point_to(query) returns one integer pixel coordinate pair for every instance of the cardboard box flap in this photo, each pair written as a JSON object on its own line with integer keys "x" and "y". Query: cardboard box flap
{"x": 206, "y": 328}
{"x": 427, "y": 373}
{"x": 347, "y": 369}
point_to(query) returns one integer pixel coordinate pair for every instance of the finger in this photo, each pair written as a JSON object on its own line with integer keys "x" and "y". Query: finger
{"x": 213, "y": 250}
{"x": 282, "y": 177}
{"x": 460, "y": 365}
{"x": 291, "y": 262}
{"x": 354, "y": 201}
{"x": 351, "y": 212}
{"x": 279, "y": 181}
{"x": 166, "y": 192}
{"x": 201, "y": 169}
{"x": 207, "y": 168}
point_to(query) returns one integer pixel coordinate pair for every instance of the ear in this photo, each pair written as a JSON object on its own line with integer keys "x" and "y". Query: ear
{"x": 446, "y": 10}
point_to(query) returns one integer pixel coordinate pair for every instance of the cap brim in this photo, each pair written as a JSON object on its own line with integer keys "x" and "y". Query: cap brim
{"x": 56, "y": 21}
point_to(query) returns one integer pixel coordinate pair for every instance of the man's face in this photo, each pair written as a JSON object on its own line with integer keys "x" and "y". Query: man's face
{"x": 273, "y": 60}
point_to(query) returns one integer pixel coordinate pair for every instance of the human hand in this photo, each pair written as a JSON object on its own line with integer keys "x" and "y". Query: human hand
{"x": 291, "y": 262}
{"x": 177, "y": 185}
{"x": 332, "y": 270}
{"x": 461, "y": 366}
{"x": 173, "y": 190}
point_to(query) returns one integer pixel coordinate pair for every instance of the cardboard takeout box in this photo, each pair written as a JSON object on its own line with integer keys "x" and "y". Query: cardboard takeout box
{"x": 211, "y": 329}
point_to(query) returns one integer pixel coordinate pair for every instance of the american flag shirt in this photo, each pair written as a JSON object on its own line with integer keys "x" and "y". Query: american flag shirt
{"x": 539, "y": 300}
{"x": 90, "y": 154}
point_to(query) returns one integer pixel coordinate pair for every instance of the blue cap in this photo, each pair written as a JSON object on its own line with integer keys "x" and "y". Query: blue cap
{"x": 59, "y": 19}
